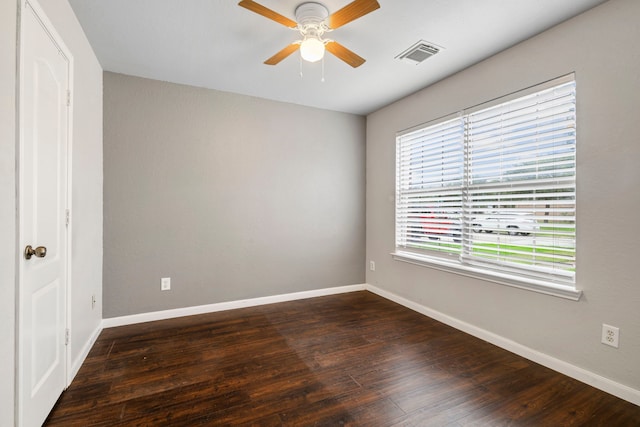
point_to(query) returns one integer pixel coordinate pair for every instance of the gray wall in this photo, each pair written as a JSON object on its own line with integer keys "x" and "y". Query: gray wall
{"x": 232, "y": 197}
{"x": 8, "y": 25}
{"x": 601, "y": 46}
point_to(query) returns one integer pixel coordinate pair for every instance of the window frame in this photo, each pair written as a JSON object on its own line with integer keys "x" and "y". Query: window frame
{"x": 457, "y": 262}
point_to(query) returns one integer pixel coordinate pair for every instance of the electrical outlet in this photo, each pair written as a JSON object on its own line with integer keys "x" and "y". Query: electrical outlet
{"x": 610, "y": 335}
{"x": 165, "y": 284}
{"x": 372, "y": 265}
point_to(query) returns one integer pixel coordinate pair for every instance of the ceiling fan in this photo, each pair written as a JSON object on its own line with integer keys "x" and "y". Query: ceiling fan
{"x": 312, "y": 22}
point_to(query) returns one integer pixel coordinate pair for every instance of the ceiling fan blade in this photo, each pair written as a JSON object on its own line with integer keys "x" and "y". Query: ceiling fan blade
{"x": 345, "y": 54}
{"x": 352, "y": 11}
{"x": 275, "y": 59}
{"x": 268, "y": 13}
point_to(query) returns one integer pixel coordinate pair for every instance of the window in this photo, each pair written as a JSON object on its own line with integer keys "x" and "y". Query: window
{"x": 490, "y": 192}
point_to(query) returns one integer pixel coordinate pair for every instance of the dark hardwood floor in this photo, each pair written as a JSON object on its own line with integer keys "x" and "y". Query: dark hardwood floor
{"x": 351, "y": 359}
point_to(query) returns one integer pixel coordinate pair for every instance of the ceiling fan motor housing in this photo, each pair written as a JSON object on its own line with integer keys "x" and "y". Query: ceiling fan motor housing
{"x": 311, "y": 14}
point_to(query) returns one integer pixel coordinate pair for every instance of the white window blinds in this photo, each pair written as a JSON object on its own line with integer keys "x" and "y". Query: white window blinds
{"x": 429, "y": 187}
{"x": 494, "y": 189}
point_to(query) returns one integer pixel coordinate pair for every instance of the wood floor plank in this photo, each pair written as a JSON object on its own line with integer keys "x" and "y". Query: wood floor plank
{"x": 352, "y": 359}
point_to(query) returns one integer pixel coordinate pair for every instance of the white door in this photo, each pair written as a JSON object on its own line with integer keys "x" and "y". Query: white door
{"x": 44, "y": 112}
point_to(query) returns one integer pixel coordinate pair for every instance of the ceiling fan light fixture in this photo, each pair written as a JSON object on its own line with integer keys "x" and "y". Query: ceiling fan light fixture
{"x": 312, "y": 49}
{"x": 312, "y": 22}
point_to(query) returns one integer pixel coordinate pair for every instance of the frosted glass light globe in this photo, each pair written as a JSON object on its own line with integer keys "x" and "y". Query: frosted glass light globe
{"x": 312, "y": 49}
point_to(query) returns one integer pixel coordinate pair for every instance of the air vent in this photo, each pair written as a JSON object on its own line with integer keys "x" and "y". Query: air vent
{"x": 419, "y": 52}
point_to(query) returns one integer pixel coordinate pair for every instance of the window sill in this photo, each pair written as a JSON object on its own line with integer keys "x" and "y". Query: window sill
{"x": 540, "y": 287}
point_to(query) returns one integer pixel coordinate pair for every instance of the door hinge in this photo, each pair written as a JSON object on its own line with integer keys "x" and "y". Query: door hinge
{"x": 67, "y": 217}
{"x": 68, "y": 98}
{"x": 66, "y": 336}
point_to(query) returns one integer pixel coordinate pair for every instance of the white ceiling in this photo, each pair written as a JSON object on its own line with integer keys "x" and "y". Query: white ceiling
{"x": 217, "y": 44}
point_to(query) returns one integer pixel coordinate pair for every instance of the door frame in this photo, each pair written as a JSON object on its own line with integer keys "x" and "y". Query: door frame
{"x": 57, "y": 39}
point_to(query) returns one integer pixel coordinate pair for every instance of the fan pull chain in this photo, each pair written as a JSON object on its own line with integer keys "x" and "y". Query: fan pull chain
{"x": 301, "y": 74}
{"x": 322, "y": 78}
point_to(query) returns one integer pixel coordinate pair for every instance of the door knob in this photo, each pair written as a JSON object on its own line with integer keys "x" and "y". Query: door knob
{"x": 39, "y": 252}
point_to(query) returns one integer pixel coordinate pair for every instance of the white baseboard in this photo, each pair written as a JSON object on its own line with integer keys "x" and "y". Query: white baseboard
{"x": 211, "y": 308}
{"x": 620, "y": 390}
{"x": 84, "y": 352}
